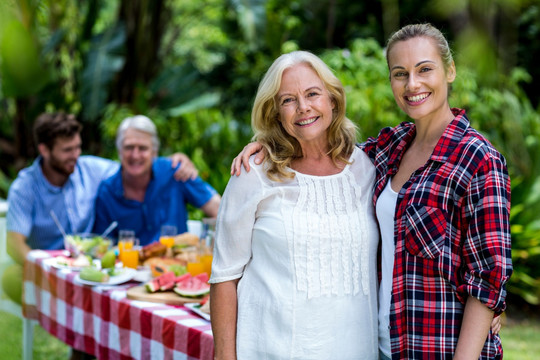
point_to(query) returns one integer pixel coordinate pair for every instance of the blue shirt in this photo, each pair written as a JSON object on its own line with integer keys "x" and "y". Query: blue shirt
{"x": 31, "y": 198}
{"x": 164, "y": 203}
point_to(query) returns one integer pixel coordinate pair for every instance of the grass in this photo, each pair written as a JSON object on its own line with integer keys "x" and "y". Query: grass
{"x": 46, "y": 346}
{"x": 520, "y": 336}
{"x": 521, "y": 340}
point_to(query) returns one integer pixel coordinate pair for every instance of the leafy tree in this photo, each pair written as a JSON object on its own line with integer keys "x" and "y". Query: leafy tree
{"x": 194, "y": 67}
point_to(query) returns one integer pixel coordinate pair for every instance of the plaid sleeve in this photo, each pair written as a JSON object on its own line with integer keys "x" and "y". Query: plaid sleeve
{"x": 486, "y": 250}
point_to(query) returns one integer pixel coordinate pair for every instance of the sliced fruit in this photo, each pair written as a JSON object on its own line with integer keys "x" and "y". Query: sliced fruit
{"x": 192, "y": 286}
{"x": 182, "y": 277}
{"x": 204, "y": 300}
{"x": 202, "y": 277}
{"x": 160, "y": 265}
{"x": 161, "y": 283}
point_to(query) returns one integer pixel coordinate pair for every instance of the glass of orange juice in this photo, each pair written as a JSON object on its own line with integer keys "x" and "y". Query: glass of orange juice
{"x": 126, "y": 241}
{"x": 206, "y": 260}
{"x": 207, "y": 243}
{"x": 130, "y": 257}
{"x": 168, "y": 232}
{"x": 194, "y": 265}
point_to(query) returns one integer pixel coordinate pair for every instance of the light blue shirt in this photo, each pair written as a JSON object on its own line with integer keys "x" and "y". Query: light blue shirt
{"x": 31, "y": 198}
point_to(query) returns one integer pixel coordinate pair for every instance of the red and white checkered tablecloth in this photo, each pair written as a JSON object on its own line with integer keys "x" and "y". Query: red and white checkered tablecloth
{"x": 100, "y": 320}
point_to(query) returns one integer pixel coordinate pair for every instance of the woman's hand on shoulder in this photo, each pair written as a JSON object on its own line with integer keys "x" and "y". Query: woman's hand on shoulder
{"x": 243, "y": 157}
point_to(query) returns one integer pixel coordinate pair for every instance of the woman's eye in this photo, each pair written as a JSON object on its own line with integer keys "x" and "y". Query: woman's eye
{"x": 400, "y": 74}
{"x": 313, "y": 93}
{"x": 425, "y": 69}
{"x": 287, "y": 101}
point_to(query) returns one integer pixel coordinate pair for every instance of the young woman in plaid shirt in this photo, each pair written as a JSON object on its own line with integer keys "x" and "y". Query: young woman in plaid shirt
{"x": 442, "y": 197}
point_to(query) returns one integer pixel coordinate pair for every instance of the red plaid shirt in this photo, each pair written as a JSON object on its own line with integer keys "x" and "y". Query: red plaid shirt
{"x": 452, "y": 237}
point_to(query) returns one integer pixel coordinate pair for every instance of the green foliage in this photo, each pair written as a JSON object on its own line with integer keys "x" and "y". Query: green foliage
{"x": 22, "y": 72}
{"x": 507, "y": 118}
{"x": 103, "y": 61}
{"x": 200, "y": 80}
{"x": 364, "y": 73}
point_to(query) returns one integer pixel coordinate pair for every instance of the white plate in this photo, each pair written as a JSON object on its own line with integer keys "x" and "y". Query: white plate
{"x": 196, "y": 308}
{"x": 58, "y": 265}
{"x": 125, "y": 275}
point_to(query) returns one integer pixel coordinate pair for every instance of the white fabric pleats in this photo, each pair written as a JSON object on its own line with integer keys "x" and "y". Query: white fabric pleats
{"x": 327, "y": 224}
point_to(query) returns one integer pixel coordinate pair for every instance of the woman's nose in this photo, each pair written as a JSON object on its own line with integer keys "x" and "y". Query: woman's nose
{"x": 412, "y": 82}
{"x": 302, "y": 105}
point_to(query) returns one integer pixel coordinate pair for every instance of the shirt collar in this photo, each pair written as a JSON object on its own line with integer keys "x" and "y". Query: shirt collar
{"x": 451, "y": 136}
{"x": 118, "y": 185}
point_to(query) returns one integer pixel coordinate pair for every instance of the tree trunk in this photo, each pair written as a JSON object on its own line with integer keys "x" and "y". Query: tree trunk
{"x": 390, "y": 17}
{"x": 23, "y": 142}
{"x": 145, "y": 23}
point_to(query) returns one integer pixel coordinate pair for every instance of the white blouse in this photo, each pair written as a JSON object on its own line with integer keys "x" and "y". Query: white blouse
{"x": 305, "y": 250}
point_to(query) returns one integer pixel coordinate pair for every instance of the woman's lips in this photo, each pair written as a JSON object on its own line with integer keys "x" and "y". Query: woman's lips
{"x": 307, "y": 121}
{"x": 416, "y": 99}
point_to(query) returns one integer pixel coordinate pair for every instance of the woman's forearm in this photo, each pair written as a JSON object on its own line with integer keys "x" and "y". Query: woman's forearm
{"x": 474, "y": 330}
{"x": 223, "y": 310}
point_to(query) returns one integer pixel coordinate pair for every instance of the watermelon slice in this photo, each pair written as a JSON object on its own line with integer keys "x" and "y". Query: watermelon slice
{"x": 203, "y": 277}
{"x": 182, "y": 278}
{"x": 161, "y": 283}
{"x": 193, "y": 286}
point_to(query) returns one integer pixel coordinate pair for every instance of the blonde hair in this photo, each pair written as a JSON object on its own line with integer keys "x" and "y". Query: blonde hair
{"x": 426, "y": 30}
{"x": 282, "y": 148}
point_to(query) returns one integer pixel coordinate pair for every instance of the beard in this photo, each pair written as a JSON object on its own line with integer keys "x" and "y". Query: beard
{"x": 62, "y": 167}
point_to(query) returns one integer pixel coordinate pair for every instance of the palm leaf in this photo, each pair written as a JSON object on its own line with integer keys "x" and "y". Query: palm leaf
{"x": 103, "y": 61}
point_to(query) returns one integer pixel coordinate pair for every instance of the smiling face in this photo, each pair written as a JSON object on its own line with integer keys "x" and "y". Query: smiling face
{"x": 136, "y": 153}
{"x": 63, "y": 156}
{"x": 419, "y": 80}
{"x": 305, "y": 106}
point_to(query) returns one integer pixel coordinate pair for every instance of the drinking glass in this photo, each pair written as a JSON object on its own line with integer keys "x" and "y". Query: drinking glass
{"x": 207, "y": 244}
{"x": 195, "y": 266}
{"x": 168, "y": 232}
{"x": 126, "y": 242}
{"x": 130, "y": 257}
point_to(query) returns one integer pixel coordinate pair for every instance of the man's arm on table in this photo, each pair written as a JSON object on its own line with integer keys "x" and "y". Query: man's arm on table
{"x": 16, "y": 246}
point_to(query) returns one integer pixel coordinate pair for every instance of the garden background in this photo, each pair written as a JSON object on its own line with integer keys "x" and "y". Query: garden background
{"x": 193, "y": 67}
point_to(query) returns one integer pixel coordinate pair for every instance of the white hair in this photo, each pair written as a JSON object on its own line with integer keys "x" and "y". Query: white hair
{"x": 137, "y": 122}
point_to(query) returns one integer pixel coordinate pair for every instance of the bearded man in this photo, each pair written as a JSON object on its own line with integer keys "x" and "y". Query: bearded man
{"x": 61, "y": 181}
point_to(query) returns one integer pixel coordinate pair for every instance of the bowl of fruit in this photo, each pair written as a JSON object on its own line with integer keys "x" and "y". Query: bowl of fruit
{"x": 89, "y": 244}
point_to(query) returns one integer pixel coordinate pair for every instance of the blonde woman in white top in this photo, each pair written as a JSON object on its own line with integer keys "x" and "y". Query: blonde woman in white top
{"x": 294, "y": 271}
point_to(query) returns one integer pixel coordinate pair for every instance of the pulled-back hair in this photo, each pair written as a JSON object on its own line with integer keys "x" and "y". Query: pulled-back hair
{"x": 422, "y": 30}
{"x": 283, "y": 148}
{"x": 50, "y": 126}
